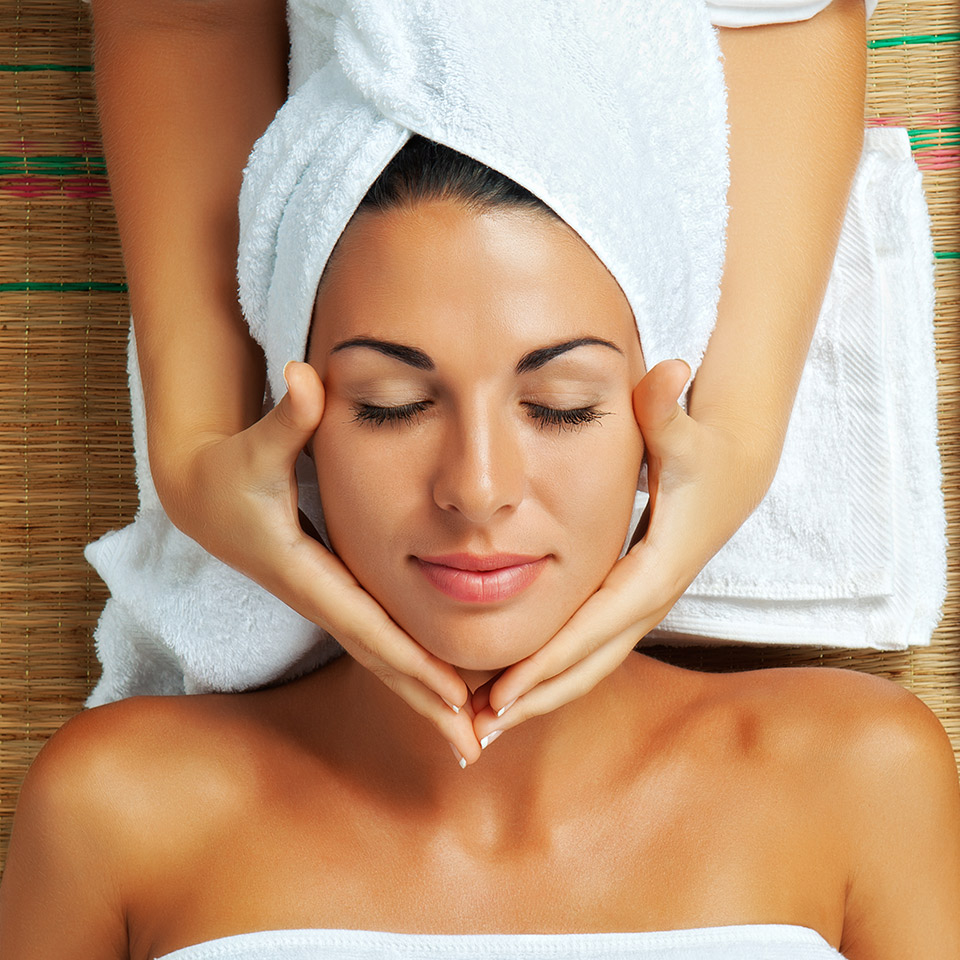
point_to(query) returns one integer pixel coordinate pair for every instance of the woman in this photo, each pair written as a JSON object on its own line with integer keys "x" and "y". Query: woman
{"x": 779, "y": 813}
{"x": 174, "y": 180}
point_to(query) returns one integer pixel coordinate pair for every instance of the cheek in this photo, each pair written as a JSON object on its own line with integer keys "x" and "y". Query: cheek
{"x": 590, "y": 482}
{"x": 361, "y": 490}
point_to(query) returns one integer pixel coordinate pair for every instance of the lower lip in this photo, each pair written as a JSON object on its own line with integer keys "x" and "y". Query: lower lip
{"x": 482, "y": 586}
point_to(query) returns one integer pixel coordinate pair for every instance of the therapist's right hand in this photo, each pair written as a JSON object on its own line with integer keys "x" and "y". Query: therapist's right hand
{"x": 237, "y": 497}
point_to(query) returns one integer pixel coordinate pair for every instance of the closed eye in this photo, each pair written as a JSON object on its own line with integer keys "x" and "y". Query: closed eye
{"x": 552, "y": 417}
{"x": 378, "y": 416}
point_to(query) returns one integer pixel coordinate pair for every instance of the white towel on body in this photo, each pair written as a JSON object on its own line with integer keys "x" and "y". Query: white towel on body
{"x": 614, "y": 115}
{"x": 753, "y": 13}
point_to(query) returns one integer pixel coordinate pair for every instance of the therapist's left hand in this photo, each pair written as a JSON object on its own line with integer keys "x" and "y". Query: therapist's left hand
{"x": 704, "y": 479}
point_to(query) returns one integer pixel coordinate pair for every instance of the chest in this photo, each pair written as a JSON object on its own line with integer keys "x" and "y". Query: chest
{"x": 681, "y": 849}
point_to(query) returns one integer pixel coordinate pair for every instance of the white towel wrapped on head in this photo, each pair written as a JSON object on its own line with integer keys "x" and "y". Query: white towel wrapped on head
{"x": 615, "y": 116}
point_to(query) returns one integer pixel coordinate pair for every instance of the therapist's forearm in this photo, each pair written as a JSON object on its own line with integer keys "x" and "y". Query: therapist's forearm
{"x": 796, "y": 101}
{"x": 184, "y": 88}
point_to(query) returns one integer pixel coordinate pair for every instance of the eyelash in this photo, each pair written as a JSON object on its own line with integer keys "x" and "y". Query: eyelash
{"x": 545, "y": 416}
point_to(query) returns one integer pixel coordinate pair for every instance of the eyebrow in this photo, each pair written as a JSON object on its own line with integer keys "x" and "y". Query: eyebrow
{"x": 535, "y": 359}
{"x": 413, "y": 357}
{"x": 408, "y": 355}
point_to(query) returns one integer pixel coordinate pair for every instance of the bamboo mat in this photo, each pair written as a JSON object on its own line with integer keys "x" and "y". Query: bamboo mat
{"x": 66, "y": 462}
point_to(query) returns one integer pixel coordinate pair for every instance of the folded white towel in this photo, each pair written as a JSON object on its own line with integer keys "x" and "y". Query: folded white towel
{"x": 616, "y": 117}
{"x": 848, "y": 548}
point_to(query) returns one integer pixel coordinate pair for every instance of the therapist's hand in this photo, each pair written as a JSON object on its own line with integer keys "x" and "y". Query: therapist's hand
{"x": 239, "y": 491}
{"x": 704, "y": 479}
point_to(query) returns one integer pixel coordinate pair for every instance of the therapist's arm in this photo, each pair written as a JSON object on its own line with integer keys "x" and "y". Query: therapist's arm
{"x": 184, "y": 88}
{"x": 795, "y": 95}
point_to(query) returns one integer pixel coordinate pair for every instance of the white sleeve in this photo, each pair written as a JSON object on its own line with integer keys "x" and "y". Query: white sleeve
{"x": 752, "y": 13}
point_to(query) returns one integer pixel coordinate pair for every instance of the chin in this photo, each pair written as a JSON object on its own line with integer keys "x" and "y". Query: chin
{"x": 483, "y": 644}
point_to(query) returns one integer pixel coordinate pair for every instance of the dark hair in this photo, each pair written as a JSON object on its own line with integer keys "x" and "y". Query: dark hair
{"x": 426, "y": 170}
{"x": 423, "y": 169}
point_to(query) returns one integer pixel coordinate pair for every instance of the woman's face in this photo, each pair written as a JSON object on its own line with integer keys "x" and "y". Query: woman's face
{"x": 479, "y": 370}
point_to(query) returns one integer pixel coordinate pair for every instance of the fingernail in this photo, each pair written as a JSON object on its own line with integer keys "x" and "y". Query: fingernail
{"x": 456, "y": 753}
{"x": 452, "y": 706}
{"x": 285, "y": 380}
{"x": 489, "y": 738}
{"x": 503, "y": 710}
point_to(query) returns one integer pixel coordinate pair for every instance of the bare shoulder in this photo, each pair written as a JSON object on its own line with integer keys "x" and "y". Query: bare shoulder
{"x": 880, "y": 724}
{"x": 154, "y": 752}
{"x": 879, "y": 773}
{"x": 127, "y": 771}
{"x": 71, "y": 823}
{"x": 86, "y": 768}
{"x": 898, "y": 795}
{"x": 857, "y": 718}
{"x": 850, "y": 737}
{"x": 96, "y": 814}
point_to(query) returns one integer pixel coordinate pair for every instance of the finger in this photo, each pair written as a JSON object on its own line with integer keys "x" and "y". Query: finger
{"x": 637, "y": 593}
{"x": 669, "y": 435}
{"x": 662, "y": 421}
{"x": 656, "y": 397}
{"x": 294, "y": 566}
{"x": 279, "y": 436}
{"x": 319, "y": 587}
{"x": 457, "y": 730}
{"x": 481, "y": 696}
{"x": 579, "y": 680}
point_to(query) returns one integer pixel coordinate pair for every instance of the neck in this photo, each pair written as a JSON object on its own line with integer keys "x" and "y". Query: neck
{"x": 528, "y": 776}
{"x": 474, "y": 679}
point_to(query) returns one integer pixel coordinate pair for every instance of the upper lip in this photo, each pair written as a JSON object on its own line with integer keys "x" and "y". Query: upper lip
{"x": 475, "y": 561}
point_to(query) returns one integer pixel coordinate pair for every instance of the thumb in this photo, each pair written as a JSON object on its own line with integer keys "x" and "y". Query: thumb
{"x": 656, "y": 402}
{"x": 282, "y": 433}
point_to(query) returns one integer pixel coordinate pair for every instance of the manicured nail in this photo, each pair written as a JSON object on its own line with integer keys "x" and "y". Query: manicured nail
{"x": 489, "y": 738}
{"x": 285, "y": 380}
{"x": 452, "y": 706}
{"x": 503, "y": 710}
{"x": 456, "y": 753}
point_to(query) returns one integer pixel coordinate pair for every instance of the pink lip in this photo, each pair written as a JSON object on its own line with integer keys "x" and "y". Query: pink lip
{"x": 477, "y": 579}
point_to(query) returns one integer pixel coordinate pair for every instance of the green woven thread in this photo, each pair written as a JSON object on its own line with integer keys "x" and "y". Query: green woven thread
{"x": 918, "y": 38}
{"x": 51, "y": 166}
{"x": 934, "y": 137}
{"x": 31, "y": 67}
{"x": 65, "y": 287}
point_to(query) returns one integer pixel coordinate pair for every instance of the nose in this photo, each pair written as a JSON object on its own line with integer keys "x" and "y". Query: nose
{"x": 480, "y": 470}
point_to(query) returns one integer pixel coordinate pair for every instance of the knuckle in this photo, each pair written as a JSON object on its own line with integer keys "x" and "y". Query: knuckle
{"x": 539, "y": 666}
{"x": 378, "y": 641}
{"x": 385, "y": 675}
{"x": 419, "y": 665}
{"x": 521, "y": 711}
{"x": 360, "y": 652}
{"x": 446, "y": 726}
{"x": 284, "y": 415}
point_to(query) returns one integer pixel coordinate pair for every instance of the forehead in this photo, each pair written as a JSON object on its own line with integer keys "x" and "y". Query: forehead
{"x": 440, "y": 275}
